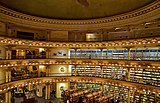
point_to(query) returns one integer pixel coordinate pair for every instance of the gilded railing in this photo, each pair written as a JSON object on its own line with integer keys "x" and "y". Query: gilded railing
{"x": 47, "y": 80}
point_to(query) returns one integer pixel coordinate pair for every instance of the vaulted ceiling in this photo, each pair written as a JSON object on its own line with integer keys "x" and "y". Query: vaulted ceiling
{"x": 75, "y": 9}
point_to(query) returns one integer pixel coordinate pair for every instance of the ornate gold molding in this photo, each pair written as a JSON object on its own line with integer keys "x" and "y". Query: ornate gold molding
{"x": 147, "y": 13}
{"x": 149, "y": 42}
{"x": 46, "y": 80}
{"x": 92, "y": 62}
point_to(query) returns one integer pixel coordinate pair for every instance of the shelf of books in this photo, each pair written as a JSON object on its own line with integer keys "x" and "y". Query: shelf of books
{"x": 112, "y": 72}
{"x": 88, "y": 86}
{"x": 146, "y": 97}
{"x": 86, "y": 70}
{"x": 80, "y": 71}
{"x": 157, "y": 98}
{"x": 120, "y": 93}
{"x": 93, "y": 71}
{"x": 145, "y": 76}
{"x": 135, "y": 53}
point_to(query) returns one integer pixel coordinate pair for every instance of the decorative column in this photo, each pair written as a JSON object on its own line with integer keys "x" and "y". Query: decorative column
{"x": 135, "y": 54}
{"x": 117, "y": 69}
{"x": 8, "y": 75}
{"x": 39, "y": 74}
{"x": 150, "y": 58}
{"x": 102, "y": 87}
{"x": 142, "y": 58}
{"x": 157, "y": 54}
{"x": 133, "y": 94}
{"x": 30, "y": 87}
{"x": 107, "y": 54}
{"x": 75, "y": 85}
{"x": 48, "y": 52}
{"x": 129, "y": 93}
{"x": 75, "y": 70}
{"x": 8, "y": 52}
{"x": 101, "y": 68}
{"x": 84, "y": 70}
{"x": 39, "y": 90}
{"x": 8, "y": 97}
{"x": 101, "y": 53}
{"x": 30, "y": 68}
{"x": 95, "y": 71}
{"x": 129, "y": 53}
{"x": 47, "y": 70}
{"x": 75, "y": 53}
{"x": 128, "y": 74}
{"x": 48, "y": 90}
{"x": 81, "y": 53}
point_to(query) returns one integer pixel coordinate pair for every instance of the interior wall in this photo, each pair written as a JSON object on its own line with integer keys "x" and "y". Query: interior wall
{"x": 2, "y": 28}
{"x": 119, "y": 35}
{"x": 59, "y": 70}
{"x": 2, "y": 76}
{"x": 59, "y": 52}
{"x": 38, "y": 34}
{"x": 2, "y": 52}
{"x": 42, "y": 68}
{"x": 59, "y": 36}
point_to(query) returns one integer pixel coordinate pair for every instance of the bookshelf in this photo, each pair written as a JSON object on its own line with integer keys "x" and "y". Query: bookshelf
{"x": 145, "y": 76}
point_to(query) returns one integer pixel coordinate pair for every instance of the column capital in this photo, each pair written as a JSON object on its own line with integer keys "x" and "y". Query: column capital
{"x": 48, "y": 49}
{"x": 129, "y": 47}
{"x": 8, "y": 47}
{"x": 101, "y": 48}
{"x": 47, "y": 84}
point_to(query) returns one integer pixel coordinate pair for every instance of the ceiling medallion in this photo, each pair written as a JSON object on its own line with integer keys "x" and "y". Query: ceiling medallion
{"x": 85, "y": 3}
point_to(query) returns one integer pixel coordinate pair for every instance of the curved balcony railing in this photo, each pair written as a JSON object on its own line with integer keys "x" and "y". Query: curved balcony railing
{"x": 79, "y": 61}
{"x": 47, "y": 80}
{"x": 135, "y": 89}
{"x": 152, "y": 58}
{"x": 67, "y": 75}
{"x": 81, "y": 58}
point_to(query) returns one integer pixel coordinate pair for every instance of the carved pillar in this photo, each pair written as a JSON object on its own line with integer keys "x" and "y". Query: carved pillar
{"x": 47, "y": 70}
{"x": 75, "y": 54}
{"x": 39, "y": 90}
{"x": 39, "y": 74}
{"x": 48, "y": 53}
{"x": 101, "y": 68}
{"x": 48, "y": 33}
{"x": 30, "y": 69}
{"x": 128, "y": 74}
{"x": 48, "y": 91}
{"x": 129, "y": 93}
{"x": 101, "y": 53}
{"x": 84, "y": 70}
{"x": 75, "y": 70}
{"x": 30, "y": 87}
{"x": 107, "y": 53}
{"x": 8, "y": 97}
{"x": 8, "y": 75}
{"x": 95, "y": 71}
{"x": 81, "y": 53}
{"x": 8, "y": 52}
{"x": 157, "y": 54}
{"x": 102, "y": 87}
{"x": 75, "y": 85}
{"x": 133, "y": 99}
{"x": 129, "y": 53}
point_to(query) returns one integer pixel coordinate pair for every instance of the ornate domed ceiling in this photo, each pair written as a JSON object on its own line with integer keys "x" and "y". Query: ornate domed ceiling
{"x": 74, "y": 9}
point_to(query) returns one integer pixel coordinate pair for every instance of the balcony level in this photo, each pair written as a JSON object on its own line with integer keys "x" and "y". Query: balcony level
{"x": 131, "y": 65}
